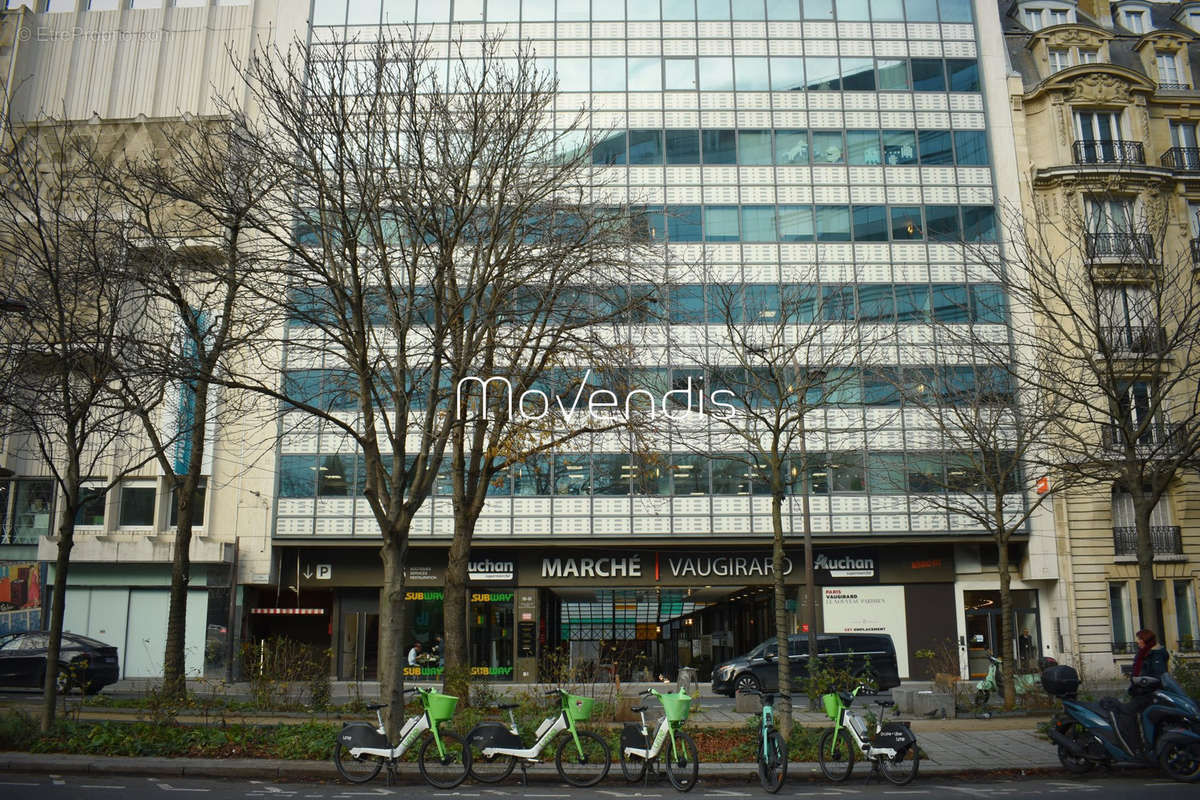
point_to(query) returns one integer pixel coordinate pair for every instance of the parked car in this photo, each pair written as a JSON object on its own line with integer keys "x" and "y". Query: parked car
{"x": 83, "y": 662}
{"x": 862, "y": 654}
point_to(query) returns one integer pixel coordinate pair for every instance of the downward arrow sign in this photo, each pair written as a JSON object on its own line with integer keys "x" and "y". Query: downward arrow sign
{"x": 307, "y": 571}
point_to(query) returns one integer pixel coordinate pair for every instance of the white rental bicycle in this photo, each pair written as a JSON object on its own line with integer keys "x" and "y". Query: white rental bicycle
{"x": 890, "y": 747}
{"x": 582, "y": 758}
{"x": 362, "y": 750}
{"x": 639, "y": 753}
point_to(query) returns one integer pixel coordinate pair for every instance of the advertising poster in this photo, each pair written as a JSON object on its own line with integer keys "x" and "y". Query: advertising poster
{"x": 869, "y": 609}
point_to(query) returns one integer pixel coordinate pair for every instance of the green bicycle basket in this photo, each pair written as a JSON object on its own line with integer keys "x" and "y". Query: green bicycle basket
{"x": 833, "y": 705}
{"x": 677, "y": 705}
{"x": 440, "y": 706}
{"x": 579, "y": 708}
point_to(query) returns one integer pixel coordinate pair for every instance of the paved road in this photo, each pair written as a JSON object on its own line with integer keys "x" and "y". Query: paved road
{"x": 1132, "y": 785}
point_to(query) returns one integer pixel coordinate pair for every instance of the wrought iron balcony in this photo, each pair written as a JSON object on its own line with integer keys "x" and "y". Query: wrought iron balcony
{"x": 1195, "y": 246}
{"x": 1174, "y": 87}
{"x": 1124, "y": 647}
{"x": 1182, "y": 158}
{"x": 1138, "y": 247}
{"x": 1160, "y": 437}
{"x": 1166, "y": 540}
{"x": 1135, "y": 338}
{"x": 1112, "y": 151}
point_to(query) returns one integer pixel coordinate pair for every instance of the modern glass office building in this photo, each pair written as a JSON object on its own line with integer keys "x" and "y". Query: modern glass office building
{"x": 841, "y": 143}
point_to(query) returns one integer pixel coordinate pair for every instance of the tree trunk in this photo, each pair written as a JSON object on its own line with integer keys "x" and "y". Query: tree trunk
{"x": 58, "y": 602}
{"x": 454, "y": 613}
{"x": 1147, "y": 596}
{"x": 1006, "y": 627}
{"x": 783, "y": 708}
{"x": 174, "y": 672}
{"x": 810, "y": 581}
{"x": 393, "y": 647}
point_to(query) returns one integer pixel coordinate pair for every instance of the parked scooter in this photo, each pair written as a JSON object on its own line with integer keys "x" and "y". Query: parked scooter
{"x": 1159, "y": 726}
{"x": 993, "y": 681}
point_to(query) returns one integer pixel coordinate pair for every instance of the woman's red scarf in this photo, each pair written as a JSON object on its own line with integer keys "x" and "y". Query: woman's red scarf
{"x": 1139, "y": 658}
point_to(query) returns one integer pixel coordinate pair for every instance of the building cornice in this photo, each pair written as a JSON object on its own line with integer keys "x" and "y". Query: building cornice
{"x": 1095, "y": 84}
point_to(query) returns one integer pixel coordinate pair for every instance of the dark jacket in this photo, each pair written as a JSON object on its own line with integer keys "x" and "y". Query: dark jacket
{"x": 1154, "y": 663}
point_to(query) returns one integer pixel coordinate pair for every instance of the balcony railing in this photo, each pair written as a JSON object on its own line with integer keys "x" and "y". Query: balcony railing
{"x": 1162, "y": 437}
{"x": 1195, "y": 246}
{"x": 1113, "y": 151}
{"x": 1182, "y": 158}
{"x": 1135, "y": 339}
{"x": 1124, "y": 647}
{"x": 1174, "y": 87}
{"x": 1166, "y": 540}
{"x": 1124, "y": 246}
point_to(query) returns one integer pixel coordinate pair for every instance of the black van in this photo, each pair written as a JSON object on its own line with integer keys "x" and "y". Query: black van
{"x": 856, "y": 652}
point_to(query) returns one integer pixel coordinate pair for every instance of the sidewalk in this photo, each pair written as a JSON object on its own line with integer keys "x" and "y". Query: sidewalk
{"x": 950, "y": 753}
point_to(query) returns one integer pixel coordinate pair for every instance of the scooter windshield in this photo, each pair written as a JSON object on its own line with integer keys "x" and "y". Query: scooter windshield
{"x": 1169, "y": 684}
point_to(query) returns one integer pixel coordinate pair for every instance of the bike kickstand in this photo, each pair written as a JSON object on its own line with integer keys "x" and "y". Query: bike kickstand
{"x": 391, "y": 774}
{"x": 524, "y": 774}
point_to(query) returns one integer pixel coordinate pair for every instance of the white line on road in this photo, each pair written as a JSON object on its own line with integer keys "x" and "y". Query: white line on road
{"x": 166, "y": 787}
{"x": 17, "y": 783}
{"x": 100, "y": 786}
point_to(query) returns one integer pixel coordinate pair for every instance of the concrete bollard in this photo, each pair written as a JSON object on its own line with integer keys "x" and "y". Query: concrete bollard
{"x": 744, "y": 703}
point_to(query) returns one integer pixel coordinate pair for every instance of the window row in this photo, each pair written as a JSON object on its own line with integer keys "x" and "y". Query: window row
{"x": 792, "y": 147}
{"x": 680, "y": 389}
{"x": 822, "y": 223}
{"x": 372, "y": 12}
{"x": 678, "y": 474}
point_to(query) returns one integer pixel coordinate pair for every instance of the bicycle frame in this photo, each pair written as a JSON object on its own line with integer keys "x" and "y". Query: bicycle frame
{"x": 562, "y": 722}
{"x": 768, "y": 723}
{"x": 845, "y": 725}
{"x": 664, "y": 731}
{"x": 411, "y": 731}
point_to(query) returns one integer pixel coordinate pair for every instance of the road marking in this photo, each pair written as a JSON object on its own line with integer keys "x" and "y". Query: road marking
{"x": 725, "y": 793}
{"x": 100, "y": 786}
{"x": 166, "y": 787}
{"x": 18, "y": 783}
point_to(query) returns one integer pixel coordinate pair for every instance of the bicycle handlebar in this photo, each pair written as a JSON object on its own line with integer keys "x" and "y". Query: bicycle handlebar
{"x": 553, "y": 692}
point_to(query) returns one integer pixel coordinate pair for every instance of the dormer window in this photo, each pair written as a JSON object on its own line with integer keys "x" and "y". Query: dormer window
{"x": 1059, "y": 60}
{"x": 1168, "y": 71}
{"x": 1087, "y": 56}
{"x": 1192, "y": 19}
{"x": 1043, "y": 15}
{"x": 1135, "y": 19}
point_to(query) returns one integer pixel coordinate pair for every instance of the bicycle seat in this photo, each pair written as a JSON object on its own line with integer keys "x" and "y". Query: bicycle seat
{"x": 507, "y": 706}
{"x": 377, "y": 706}
{"x": 846, "y": 698}
{"x": 638, "y": 709}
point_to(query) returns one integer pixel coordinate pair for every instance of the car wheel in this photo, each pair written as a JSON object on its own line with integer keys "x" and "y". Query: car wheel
{"x": 746, "y": 682}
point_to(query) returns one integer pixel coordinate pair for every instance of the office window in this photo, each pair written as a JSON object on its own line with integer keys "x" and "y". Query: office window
{"x": 531, "y": 476}
{"x": 862, "y": 147}
{"x": 716, "y": 74}
{"x": 689, "y": 475}
{"x": 610, "y": 150}
{"x": 827, "y": 147}
{"x": 678, "y": 9}
{"x": 833, "y": 223}
{"x": 787, "y": 74}
{"x": 783, "y": 9}
{"x": 721, "y": 223}
{"x": 751, "y": 74}
{"x": 817, "y": 9}
{"x": 569, "y": 10}
{"x": 912, "y": 303}
{"x": 758, "y": 224}
{"x": 893, "y": 76}
{"x": 198, "y": 503}
{"x": 822, "y": 74}
{"x": 979, "y": 223}
{"x": 1059, "y": 59}
{"x": 683, "y": 147}
{"x": 573, "y": 74}
{"x": 137, "y": 505}
{"x": 935, "y": 147}
{"x": 91, "y": 508}
{"x": 608, "y": 74}
{"x": 297, "y": 476}
{"x": 687, "y": 304}
{"x": 795, "y": 223}
{"x": 941, "y": 223}
{"x": 970, "y": 148}
{"x": 503, "y": 10}
{"x": 791, "y": 147}
{"x": 887, "y": 10}
{"x": 325, "y": 12}
{"x": 720, "y": 146}
{"x": 730, "y": 476}
{"x": 363, "y": 12}
{"x": 955, "y": 10}
{"x": 646, "y": 147}
{"x": 683, "y": 223}
{"x": 838, "y": 303}
{"x": 921, "y": 10}
{"x": 572, "y": 474}
{"x": 885, "y": 471}
{"x": 950, "y": 303}
{"x": 858, "y": 74}
{"x": 928, "y": 75}
{"x": 754, "y": 147}
{"x": 987, "y": 304}
{"x": 610, "y": 474}
{"x": 870, "y": 224}
{"x": 906, "y": 223}
{"x": 645, "y": 74}
{"x": 875, "y": 303}
{"x": 717, "y": 10}
{"x": 899, "y": 147}
{"x": 679, "y": 74}
{"x": 853, "y": 10}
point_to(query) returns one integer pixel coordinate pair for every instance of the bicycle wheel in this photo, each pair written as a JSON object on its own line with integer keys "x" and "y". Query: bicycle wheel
{"x": 683, "y": 765}
{"x": 836, "y": 757}
{"x": 632, "y": 767}
{"x": 356, "y": 769}
{"x": 488, "y": 769}
{"x": 903, "y": 768}
{"x": 586, "y": 768}
{"x": 447, "y": 769}
{"x": 773, "y": 762}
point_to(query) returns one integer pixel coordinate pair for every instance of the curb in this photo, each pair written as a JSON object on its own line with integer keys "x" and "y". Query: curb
{"x": 276, "y": 769}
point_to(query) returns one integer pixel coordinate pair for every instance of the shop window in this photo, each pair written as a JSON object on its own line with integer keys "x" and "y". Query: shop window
{"x": 198, "y": 503}
{"x": 91, "y": 507}
{"x": 787, "y": 74}
{"x": 751, "y": 73}
{"x": 137, "y": 505}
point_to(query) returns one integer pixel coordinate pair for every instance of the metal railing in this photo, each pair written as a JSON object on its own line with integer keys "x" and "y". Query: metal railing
{"x": 1157, "y": 436}
{"x": 1132, "y": 246}
{"x": 1174, "y": 87}
{"x": 1124, "y": 647}
{"x": 1110, "y": 151}
{"x": 1194, "y": 244}
{"x": 1181, "y": 158}
{"x": 1135, "y": 338}
{"x": 1166, "y": 540}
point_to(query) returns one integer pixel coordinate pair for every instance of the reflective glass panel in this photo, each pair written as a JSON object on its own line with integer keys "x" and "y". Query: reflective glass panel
{"x": 862, "y": 147}
{"x": 683, "y": 223}
{"x": 970, "y": 148}
{"x": 573, "y": 10}
{"x": 833, "y": 223}
{"x": 827, "y": 147}
{"x": 720, "y": 146}
{"x": 363, "y": 12}
{"x": 870, "y": 224}
{"x": 754, "y": 147}
{"x": 928, "y": 75}
{"x": 573, "y": 74}
{"x": 853, "y": 11}
{"x": 713, "y": 9}
{"x": 893, "y": 76}
{"x": 921, "y": 10}
{"x": 329, "y": 12}
{"x": 979, "y": 223}
{"x": 783, "y": 9}
{"x": 645, "y": 74}
{"x": 955, "y": 10}
{"x": 497, "y": 10}
{"x": 572, "y": 474}
{"x": 751, "y": 74}
{"x": 758, "y": 223}
{"x": 678, "y": 9}
{"x": 822, "y": 74}
{"x": 787, "y": 74}
{"x": 683, "y": 147}
{"x": 818, "y": 9}
{"x": 941, "y": 223}
{"x": 680, "y": 74}
{"x": 608, "y": 74}
{"x": 721, "y": 223}
{"x": 795, "y": 223}
{"x": 716, "y": 74}
{"x": 935, "y": 147}
{"x": 906, "y": 223}
{"x": 887, "y": 10}
{"x": 899, "y": 147}
{"x": 964, "y": 74}
{"x": 912, "y": 302}
{"x": 791, "y": 147}
{"x": 610, "y": 150}
{"x": 646, "y": 147}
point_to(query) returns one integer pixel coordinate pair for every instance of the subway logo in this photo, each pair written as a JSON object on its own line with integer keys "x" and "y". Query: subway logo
{"x": 491, "y": 597}
{"x": 422, "y": 595}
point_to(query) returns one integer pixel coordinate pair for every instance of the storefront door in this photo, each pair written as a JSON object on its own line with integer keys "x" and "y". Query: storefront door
{"x": 983, "y": 628}
{"x": 359, "y": 646}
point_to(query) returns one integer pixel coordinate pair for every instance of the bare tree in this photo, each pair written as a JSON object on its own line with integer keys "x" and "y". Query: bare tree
{"x": 984, "y": 430}
{"x": 1116, "y": 342}
{"x": 775, "y": 359}
{"x": 70, "y": 308}
{"x": 187, "y": 202}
